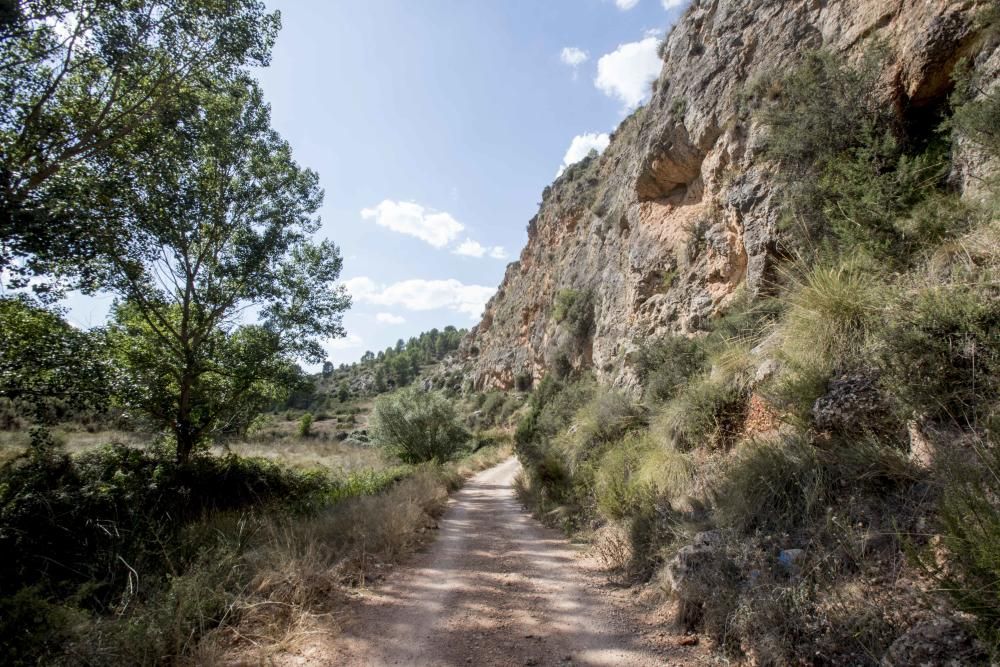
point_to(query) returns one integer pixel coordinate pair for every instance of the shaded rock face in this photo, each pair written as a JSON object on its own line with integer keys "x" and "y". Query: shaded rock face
{"x": 681, "y": 210}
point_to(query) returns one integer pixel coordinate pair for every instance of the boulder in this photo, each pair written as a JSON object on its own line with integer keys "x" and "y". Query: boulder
{"x": 853, "y": 404}
{"x": 697, "y": 572}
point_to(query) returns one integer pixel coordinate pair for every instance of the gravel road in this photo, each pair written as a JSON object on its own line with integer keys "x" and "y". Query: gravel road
{"x": 498, "y": 588}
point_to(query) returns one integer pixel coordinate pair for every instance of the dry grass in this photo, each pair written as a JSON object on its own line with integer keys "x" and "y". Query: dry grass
{"x": 300, "y": 570}
{"x": 74, "y": 438}
{"x": 321, "y": 450}
{"x": 314, "y": 452}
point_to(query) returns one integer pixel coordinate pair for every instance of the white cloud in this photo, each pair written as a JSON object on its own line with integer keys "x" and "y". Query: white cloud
{"x": 349, "y": 342}
{"x": 435, "y": 227}
{"x": 626, "y": 72}
{"x": 417, "y": 294}
{"x": 581, "y": 146}
{"x": 673, "y": 4}
{"x": 626, "y": 5}
{"x": 573, "y": 56}
{"x": 470, "y": 248}
{"x": 389, "y": 318}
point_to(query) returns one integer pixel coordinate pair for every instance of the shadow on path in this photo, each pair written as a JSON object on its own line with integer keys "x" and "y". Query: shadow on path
{"x": 495, "y": 588}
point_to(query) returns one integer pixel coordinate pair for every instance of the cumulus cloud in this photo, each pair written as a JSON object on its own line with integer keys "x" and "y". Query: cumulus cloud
{"x": 573, "y": 56}
{"x": 470, "y": 248}
{"x": 418, "y": 295}
{"x": 673, "y": 4}
{"x": 626, "y": 72}
{"x": 349, "y": 342}
{"x": 581, "y": 146}
{"x": 626, "y": 5}
{"x": 435, "y": 227}
{"x": 389, "y": 318}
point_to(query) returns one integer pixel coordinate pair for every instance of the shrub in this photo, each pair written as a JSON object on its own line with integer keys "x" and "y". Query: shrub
{"x": 491, "y": 406}
{"x": 822, "y": 107}
{"x": 575, "y": 310}
{"x": 786, "y": 485}
{"x": 598, "y": 424}
{"x": 772, "y": 486}
{"x": 118, "y": 509}
{"x": 827, "y": 325}
{"x": 747, "y": 319}
{"x": 305, "y": 425}
{"x": 618, "y": 487}
{"x": 854, "y": 172}
{"x": 969, "y": 523}
{"x": 417, "y": 426}
{"x": 977, "y": 114}
{"x": 665, "y": 365}
{"x": 941, "y": 352}
{"x": 709, "y": 412}
{"x": 33, "y": 629}
{"x": 509, "y": 407}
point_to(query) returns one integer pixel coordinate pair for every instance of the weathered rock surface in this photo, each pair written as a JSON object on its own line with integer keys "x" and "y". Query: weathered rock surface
{"x": 854, "y": 405}
{"x": 697, "y": 572}
{"x": 681, "y": 209}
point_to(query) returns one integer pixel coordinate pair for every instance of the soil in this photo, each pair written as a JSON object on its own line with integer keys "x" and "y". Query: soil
{"x": 498, "y": 588}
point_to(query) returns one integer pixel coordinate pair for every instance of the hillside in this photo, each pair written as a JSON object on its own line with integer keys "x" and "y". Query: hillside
{"x": 682, "y": 209}
{"x": 763, "y": 334}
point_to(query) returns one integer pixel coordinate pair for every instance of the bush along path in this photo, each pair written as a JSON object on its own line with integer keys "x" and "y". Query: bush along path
{"x": 496, "y": 588}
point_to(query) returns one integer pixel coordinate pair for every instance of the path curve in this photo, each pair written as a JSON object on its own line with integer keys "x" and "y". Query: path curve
{"x": 498, "y": 588}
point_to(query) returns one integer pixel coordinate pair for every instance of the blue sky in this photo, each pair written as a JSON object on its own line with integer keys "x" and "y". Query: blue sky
{"x": 434, "y": 126}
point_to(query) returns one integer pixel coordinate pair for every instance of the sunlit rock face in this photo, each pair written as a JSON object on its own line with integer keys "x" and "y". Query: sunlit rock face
{"x": 681, "y": 210}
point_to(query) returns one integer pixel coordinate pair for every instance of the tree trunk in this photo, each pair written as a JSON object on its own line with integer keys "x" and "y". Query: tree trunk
{"x": 187, "y": 438}
{"x": 185, "y": 431}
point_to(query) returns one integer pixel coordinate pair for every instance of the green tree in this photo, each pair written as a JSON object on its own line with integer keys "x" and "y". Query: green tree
{"x": 305, "y": 425}
{"x": 83, "y": 82}
{"x": 48, "y": 368}
{"x": 343, "y": 392}
{"x": 226, "y": 218}
{"x": 417, "y": 426}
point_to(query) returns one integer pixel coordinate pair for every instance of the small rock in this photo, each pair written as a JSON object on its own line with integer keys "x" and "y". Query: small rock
{"x": 788, "y": 557}
{"x": 688, "y": 640}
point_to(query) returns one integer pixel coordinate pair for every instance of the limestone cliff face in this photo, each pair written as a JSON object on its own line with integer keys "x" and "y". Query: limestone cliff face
{"x": 681, "y": 209}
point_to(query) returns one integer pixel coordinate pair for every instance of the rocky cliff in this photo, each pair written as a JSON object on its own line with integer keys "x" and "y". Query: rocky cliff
{"x": 680, "y": 212}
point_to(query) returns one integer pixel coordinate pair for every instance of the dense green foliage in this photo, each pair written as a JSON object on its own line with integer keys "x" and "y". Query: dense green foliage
{"x": 74, "y": 526}
{"x": 49, "y": 371}
{"x": 852, "y": 171}
{"x": 127, "y": 531}
{"x": 394, "y": 367}
{"x": 90, "y": 89}
{"x": 417, "y": 426}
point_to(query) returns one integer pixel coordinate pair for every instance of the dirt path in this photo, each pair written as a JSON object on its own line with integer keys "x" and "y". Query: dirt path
{"x": 497, "y": 588}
